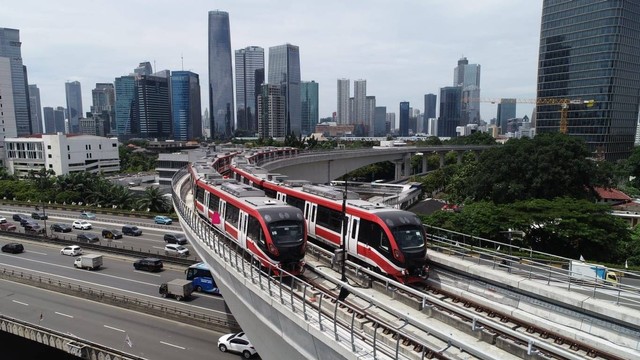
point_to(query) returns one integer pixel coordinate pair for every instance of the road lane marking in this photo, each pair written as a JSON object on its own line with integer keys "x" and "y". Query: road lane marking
{"x": 175, "y": 346}
{"x": 112, "y": 328}
{"x": 158, "y": 247}
{"x": 35, "y": 252}
{"x": 20, "y": 302}
{"x": 62, "y": 314}
{"x": 145, "y": 273}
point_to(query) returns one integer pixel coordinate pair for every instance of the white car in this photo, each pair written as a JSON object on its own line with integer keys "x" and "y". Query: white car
{"x": 81, "y": 224}
{"x": 3, "y": 219}
{"x": 72, "y": 250}
{"x": 176, "y": 250}
{"x": 237, "y": 343}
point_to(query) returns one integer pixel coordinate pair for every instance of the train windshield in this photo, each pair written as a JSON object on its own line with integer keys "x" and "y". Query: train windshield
{"x": 286, "y": 232}
{"x": 408, "y": 236}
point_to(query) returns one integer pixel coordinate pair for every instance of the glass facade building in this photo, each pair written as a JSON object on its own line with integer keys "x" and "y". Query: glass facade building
{"x": 430, "y": 103}
{"x": 310, "y": 100}
{"x": 284, "y": 71}
{"x": 154, "y": 107}
{"x": 404, "y": 119}
{"x": 450, "y": 110}
{"x": 74, "y": 105}
{"x": 589, "y": 51}
{"x": 125, "y": 97}
{"x": 10, "y": 47}
{"x": 185, "y": 105}
{"x": 249, "y": 66}
{"x": 506, "y": 111}
{"x": 36, "y": 109}
{"x": 220, "y": 76}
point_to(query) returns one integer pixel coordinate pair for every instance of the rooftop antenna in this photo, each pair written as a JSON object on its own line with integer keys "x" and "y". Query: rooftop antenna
{"x": 154, "y": 65}
{"x": 182, "y": 61}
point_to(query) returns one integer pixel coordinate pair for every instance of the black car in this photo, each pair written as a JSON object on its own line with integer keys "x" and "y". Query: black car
{"x": 61, "y": 228}
{"x": 30, "y": 228}
{"x": 19, "y": 217}
{"x": 39, "y": 216}
{"x": 179, "y": 239}
{"x": 14, "y": 248}
{"x": 148, "y": 264}
{"x": 131, "y": 230}
{"x": 111, "y": 234}
{"x": 26, "y": 221}
{"x": 87, "y": 237}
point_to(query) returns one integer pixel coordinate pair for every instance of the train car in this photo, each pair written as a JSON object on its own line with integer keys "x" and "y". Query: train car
{"x": 385, "y": 239}
{"x": 270, "y": 229}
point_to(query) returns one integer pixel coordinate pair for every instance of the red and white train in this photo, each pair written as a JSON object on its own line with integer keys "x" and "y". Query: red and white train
{"x": 385, "y": 239}
{"x": 270, "y": 229}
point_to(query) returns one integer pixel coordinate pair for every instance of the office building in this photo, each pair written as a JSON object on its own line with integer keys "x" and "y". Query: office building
{"x": 589, "y": 51}
{"x": 379, "y": 120}
{"x": 49, "y": 120}
{"x": 61, "y": 153}
{"x": 126, "y": 125}
{"x": 369, "y": 114}
{"x": 7, "y": 104}
{"x": 271, "y": 112}
{"x": 144, "y": 68}
{"x": 185, "y": 106}
{"x": 221, "y": 107}
{"x": 391, "y": 120}
{"x": 104, "y": 103}
{"x": 95, "y": 125}
{"x": 284, "y": 71}
{"x": 73, "y": 92}
{"x": 36, "y": 109}
{"x": 13, "y": 72}
{"x": 154, "y": 107}
{"x": 404, "y": 119}
{"x": 450, "y": 110}
{"x": 506, "y": 111}
{"x": 309, "y": 107}
{"x": 467, "y": 76}
{"x": 359, "y": 101}
{"x": 342, "y": 113}
{"x": 249, "y": 66}
{"x": 430, "y": 105}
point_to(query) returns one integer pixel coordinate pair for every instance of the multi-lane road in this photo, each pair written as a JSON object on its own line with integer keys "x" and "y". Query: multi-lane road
{"x": 152, "y": 337}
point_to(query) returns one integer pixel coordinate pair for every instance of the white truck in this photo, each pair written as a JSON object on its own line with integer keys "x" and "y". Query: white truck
{"x": 580, "y": 270}
{"x": 178, "y": 288}
{"x": 88, "y": 261}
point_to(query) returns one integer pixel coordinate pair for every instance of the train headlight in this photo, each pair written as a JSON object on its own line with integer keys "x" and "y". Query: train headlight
{"x": 398, "y": 255}
{"x": 273, "y": 249}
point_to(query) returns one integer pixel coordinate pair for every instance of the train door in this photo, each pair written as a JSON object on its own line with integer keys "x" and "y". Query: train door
{"x": 205, "y": 203}
{"x": 353, "y": 228}
{"x": 223, "y": 210}
{"x": 242, "y": 229}
{"x": 310, "y": 217}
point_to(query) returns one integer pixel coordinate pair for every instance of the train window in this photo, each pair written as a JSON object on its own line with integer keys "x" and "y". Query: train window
{"x": 331, "y": 219}
{"x": 214, "y": 202}
{"x": 372, "y": 234}
{"x": 384, "y": 242}
{"x": 286, "y": 231}
{"x": 254, "y": 230}
{"x": 408, "y": 236}
{"x": 200, "y": 194}
{"x": 232, "y": 214}
{"x": 294, "y": 201}
{"x": 354, "y": 228}
{"x": 270, "y": 193}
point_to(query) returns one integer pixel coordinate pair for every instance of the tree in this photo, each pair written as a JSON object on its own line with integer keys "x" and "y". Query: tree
{"x": 154, "y": 200}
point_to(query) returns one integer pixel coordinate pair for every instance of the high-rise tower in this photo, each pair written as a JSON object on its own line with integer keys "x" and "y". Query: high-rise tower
{"x": 284, "y": 71}
{"x": 15, "y": 71}
{"x": 309, "y": 110}
{"x": 343, "y": 101}
{"x": 589, "y": 51}
{"x": 104, "y": 100}
{"x": 154, "y": 107}
{"x": 430, "y": 104}
{"x": 74, "y": 105}
{"x": 185, "y": 105}
{"x": 220, "y": 76}
{"x": 359, "y": 101}
{"x": 468, "y": 77}
{"x": 126, "y": 126}
{"x": 249, "y": 62}
{"x": 36, "y": 110}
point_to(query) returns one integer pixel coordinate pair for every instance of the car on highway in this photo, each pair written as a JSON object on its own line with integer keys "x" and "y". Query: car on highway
{"x": 3, "y": 219}
{"x": 82, "y": 225}
{"x": 72, "y": 250}
{"x": 27, "y": 221}
{"x": 34, "y": 229}
{"x": 87, "y": 237}
{"x": 131, "y": 230}
{"x": 176, "y": 250}
{"x": 19, "y": 217}
{"x": 237, "y": 343}
{"x": 87, "y": 215}
{"x": 7, "y": 226}
{"x": 63, "y": 228}
{"x": 161, "y": 219}
{"x": 171, "y": 238}
{"x": 14, "y": 248}
{"x": 111, "y": 234}
{"x": 39, "y": 216}
{"x": 148, "y": 264}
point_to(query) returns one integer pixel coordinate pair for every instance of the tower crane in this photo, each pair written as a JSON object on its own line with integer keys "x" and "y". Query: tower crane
{"x": 564, "y": 105}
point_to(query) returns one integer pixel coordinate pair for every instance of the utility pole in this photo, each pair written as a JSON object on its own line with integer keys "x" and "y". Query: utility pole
{"x": 343, "y": 290}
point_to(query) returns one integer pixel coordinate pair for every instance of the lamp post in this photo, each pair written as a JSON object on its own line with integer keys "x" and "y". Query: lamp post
{"x": 44, "y": 217}
{"x": 343, "y": 290}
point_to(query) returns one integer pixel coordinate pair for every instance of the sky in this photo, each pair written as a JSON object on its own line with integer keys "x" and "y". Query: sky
{"x": 403, "y": 48}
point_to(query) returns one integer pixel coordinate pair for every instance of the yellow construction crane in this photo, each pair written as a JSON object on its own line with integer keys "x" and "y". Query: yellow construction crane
{"x": 564, "y": 105}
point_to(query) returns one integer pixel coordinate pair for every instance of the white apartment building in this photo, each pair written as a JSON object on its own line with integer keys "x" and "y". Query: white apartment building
{"x": 62, "y": 153}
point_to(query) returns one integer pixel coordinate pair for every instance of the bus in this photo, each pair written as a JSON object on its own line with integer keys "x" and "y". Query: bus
{"x": 202, "y": 279}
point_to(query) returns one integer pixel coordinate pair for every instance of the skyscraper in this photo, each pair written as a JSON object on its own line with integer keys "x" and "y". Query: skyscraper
{"x": 284, "y": 71}
{"x": 342, "y": 117}
{"x": 506, "y": 111}
{"x": 10, "y": 49}
{"x": 404, "y": 118}
{"x": 36, "y": 109}
{"x": 126, "y": 126}
{"x": 248, "y": 63}
{"x": 589, "y": 51}
{"x": 271, "y": 112}
{"x": 450, "y": 110}
{"x": 144, "y": 68}
{"x": 430, "y": 104}
{"x": 220, "y": 76}
{"x": 49, "y": 120}
{"x": 379, "y": 119}
{"x": 468, "y": 77}
{"x": 309, "y": 109}
{"x": 154, "y": 107}
{"x": 7, "y": 115}
{"x": 185, "y": 105}
{"x": 359, "y": 99}
{"x": 369, "y": 114}
{"x": 74, "y": 104}
{"x": 104, "y": 100}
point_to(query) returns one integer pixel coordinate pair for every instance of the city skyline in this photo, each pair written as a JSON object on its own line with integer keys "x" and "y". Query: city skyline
{"x": 401, "y": 51}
